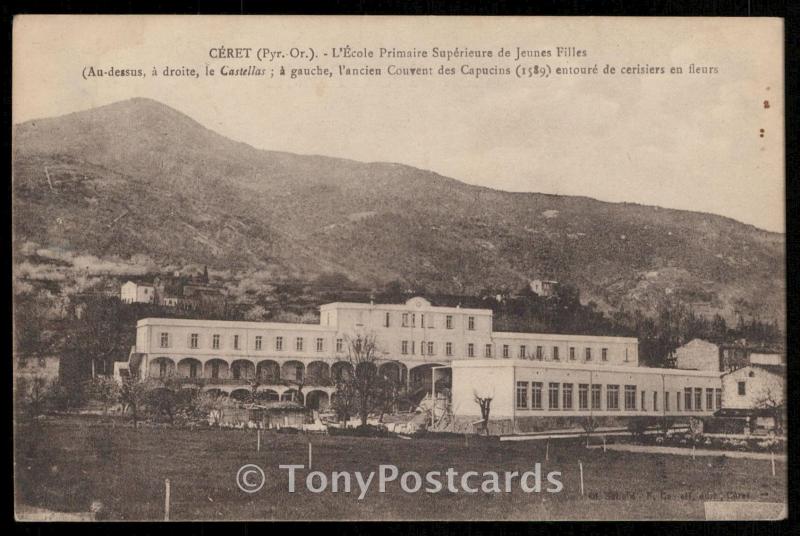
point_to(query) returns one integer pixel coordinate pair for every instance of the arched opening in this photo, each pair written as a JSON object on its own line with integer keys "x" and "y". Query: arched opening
{"x": 318, "y": 373}
{"x": 341, "y": 370}
{"x": 161, "y": 367}
{"x": 215, "y": 393}
{"x": 240, "y": 394}
{"x": 292, "y": 395}
{"x": 292, "y": 371}
{"x": 267, "y": 395}
{"x": 317, "y": 400}
{"x": 241, "y": 369}
{"x": 190, "y": 367}
{"x": 421, "y": 377}
{"x": 394, "y": 371}
{"x": 216, "y": 369}
{"x": 269, "y": 372}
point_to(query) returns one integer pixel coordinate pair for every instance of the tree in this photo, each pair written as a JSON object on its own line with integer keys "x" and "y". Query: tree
{"x": 773, "y": 404}
{"x": 163, "y": 401}
{"x": 665, "y": 424}
{"x": 254, "y": 385}
{"x": 388, "y": 393}
{"x": 133, "y": 394}
{"x": 364, "y": 383}
{"x": 343, "y": 400}
{"x": 213, "y": 406}
{"x": 257, "y": 313}
{"x": 589, "y": 424}
{"x": 32, "y": 393}
{"x": 485, "y": 403}
{"x": 95, "y": 338}
{"x": 105, "y": 390}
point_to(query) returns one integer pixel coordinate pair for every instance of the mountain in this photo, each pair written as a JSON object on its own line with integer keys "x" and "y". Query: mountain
{"x": 138, "y": 177}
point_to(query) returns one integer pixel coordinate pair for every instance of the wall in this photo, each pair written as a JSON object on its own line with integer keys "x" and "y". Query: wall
{"x": 149, "y": 331}
{"x": 623, "y": 351}
{"x": 45, "y": 367}
{"x": 502, "y": 379}
{"x": 429, "y": 325}
{"x": 698, "y": 354}
{"x": 758, "y": 383}
{"x": 486, "y": 380}
{"x": 757, "y": 358}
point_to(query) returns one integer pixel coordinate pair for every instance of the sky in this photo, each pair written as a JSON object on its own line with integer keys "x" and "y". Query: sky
{"x": 689, "y": 141}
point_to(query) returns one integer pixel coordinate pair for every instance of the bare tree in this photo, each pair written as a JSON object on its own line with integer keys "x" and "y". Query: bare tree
{"x": 133, "y": 394}
{"x": 773, "y": 403}
{"x": 105, "y": 390}
{"x": 485, "y": 403}
{"x": 255, "y": 383}
{"x": 389, "y": 393}
{"x": 32, "y": 394}
{"x": 589, "y": 424}
{"x": 343, "y": 400}
{"x": 362, "y": 354}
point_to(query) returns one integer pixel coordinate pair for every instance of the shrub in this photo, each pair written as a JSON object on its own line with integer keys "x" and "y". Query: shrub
{"x": 638, "y": 426}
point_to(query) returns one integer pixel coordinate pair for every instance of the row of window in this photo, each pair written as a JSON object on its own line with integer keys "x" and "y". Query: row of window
{"x": 406, "y": 347}
{"x": 529, "y": 395}
{"x": 429, "y": 348}
{"x": 258, "y": 342}
{"x": 409, "y": 320}
{"x": 540, "y": 353}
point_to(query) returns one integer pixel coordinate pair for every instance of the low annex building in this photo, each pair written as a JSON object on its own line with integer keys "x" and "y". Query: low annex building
{"x": 523, "y": 392}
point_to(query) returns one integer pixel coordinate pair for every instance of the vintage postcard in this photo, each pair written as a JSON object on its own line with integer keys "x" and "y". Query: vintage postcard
{"x": 398, "y": 268}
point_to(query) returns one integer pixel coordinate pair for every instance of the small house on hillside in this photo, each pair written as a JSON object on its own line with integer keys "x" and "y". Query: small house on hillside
{"x": 544, "y": 287}
{"x": 133, "y": 292}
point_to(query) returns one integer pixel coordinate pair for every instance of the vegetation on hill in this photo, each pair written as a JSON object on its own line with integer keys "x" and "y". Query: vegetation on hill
{"x": 137, "y": 178}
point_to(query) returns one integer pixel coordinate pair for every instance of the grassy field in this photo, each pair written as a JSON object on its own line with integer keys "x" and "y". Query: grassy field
{"x": 66, "y": 464}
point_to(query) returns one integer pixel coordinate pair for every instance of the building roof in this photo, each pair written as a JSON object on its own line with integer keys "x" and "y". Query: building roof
{"x": 415, "y": 303}
{"x": 778, "y": 370}
{"x": 188, "y": 322}
{"x": 698, "y": 340}
{"x": 138, "y": 283}
{"x": 562, "y": 337}
{"x": 593, "y": 367}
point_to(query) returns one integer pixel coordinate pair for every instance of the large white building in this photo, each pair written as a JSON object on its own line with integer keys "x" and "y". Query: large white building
{"x": 526, "y": 371}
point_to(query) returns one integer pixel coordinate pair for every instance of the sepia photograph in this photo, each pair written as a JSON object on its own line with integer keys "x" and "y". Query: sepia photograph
{"x": 395, "y": 268}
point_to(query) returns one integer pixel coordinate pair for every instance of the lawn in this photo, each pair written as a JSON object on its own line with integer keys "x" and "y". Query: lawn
{"x": 66, "y": 464}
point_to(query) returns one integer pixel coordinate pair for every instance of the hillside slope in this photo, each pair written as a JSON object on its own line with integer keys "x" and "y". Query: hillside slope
{"x": 139, "y": 177}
